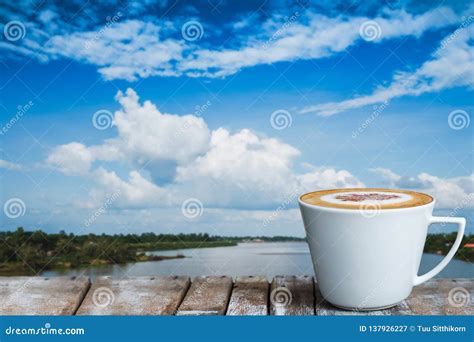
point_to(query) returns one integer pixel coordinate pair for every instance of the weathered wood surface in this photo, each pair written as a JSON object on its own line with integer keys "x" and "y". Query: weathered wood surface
{"x": 323, "y": 308}
{"x": 213, "y": 295}
{"x": 41, "y": 295}
{"x": 292, "y": 296}
{"x": 135, "y": 296}
{"x": 443, "y": 297}
{"x": 249, "y": 297}
{"x": 207, "y": 296}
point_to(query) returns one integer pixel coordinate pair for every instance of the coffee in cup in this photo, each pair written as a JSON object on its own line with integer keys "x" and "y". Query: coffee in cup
{"x": 366, "y": 244}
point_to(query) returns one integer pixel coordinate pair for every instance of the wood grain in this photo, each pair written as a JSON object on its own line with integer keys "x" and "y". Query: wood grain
{"x": 207, "y": 295}
{"x": 212, "y": 295}
{"x": 299, "y": 289}
{"x": 443, "y": 297}
{"x": 249, "y": 297}
{"x": 41, "y": 295}
{"x": 135, "y": 296}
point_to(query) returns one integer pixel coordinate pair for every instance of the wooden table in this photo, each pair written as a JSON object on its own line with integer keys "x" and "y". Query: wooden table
{"x": 208, "y": 295}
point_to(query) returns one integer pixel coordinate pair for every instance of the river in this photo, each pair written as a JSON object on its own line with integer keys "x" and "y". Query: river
{"x": 268, "y": 259}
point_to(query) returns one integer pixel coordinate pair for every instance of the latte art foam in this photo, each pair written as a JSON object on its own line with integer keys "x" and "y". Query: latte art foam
{"x": 376, "y": 198}
{"x": 368, "y": 196}
{"x": 356, "y": 198}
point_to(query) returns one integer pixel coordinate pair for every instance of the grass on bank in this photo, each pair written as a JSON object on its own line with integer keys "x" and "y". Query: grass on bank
{"x": 28, "y": 252}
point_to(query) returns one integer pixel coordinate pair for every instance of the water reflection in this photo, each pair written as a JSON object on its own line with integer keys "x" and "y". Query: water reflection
{"x": 268, "y": 259}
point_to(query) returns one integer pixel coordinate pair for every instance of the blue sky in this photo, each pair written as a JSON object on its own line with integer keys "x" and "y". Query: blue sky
{"x": 233, "y": 108}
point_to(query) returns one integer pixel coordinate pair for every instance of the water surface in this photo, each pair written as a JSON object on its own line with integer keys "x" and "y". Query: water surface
{"x": 268, "y": 259}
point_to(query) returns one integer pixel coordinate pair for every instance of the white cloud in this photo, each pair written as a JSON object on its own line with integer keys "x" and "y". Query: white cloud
{"x": 136, "y": 192}
{"x": 386, "y": 173}
{"x": 176, "y": 157}
{"x": 5, "y": 164}
{"x": 448, "y": 192}
{"x": 171, "y": 158}
{"x": 146, "y": 133}
{"x": 146, "y": 138}
{"x": 311, "y": 36}
{"x": 71, "y": 159}
{"x": 131, "y": 48}
{"x": 451, "y": 65}
{"x": 243, "y": 155}
{"x": 244, "y": 168}
{"x": 327, "y": 178}
{"x": 124, "y": 50}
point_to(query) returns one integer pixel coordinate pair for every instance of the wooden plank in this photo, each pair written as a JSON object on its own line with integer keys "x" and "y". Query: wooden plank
{"x": 249, "y": 297}
{"x": 324, "y": 308}
{"x": 207, "y": 295}
{"x": 41, "y": 295}
{"x": 443, "y": 297}
{"x": 135, "y": 296}
{"x": 292, "y": 296}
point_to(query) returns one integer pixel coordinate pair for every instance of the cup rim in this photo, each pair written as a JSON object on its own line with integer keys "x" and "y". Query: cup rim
{"x": 302, "y": 203}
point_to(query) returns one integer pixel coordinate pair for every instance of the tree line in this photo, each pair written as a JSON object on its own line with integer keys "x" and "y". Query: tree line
{"x": 24, "y": 251}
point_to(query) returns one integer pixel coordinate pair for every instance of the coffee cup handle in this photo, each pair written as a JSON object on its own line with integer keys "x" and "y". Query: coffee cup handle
{"x": 461, "y": 222}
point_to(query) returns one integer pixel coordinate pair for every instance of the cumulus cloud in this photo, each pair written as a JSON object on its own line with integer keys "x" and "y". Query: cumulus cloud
{"x": 451, "y": 65}
{"x": 242, "y": 165}
{"x": 137, "y": 191}
{"x": 146, "y": 133}
{"x": 72, "y": 159}
{"x": 132, "y": 48}
{"x": 386, "y": 173}
{"x": 246, "y": 168}
{"x": 147, "y": 138}
{"x": 327, "y": 178}
{"x": 221, "y": 168}
{"x": 448, "y": 192}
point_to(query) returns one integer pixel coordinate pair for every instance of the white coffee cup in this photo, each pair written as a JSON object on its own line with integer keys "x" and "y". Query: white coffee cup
{"x": 368, "y": 258}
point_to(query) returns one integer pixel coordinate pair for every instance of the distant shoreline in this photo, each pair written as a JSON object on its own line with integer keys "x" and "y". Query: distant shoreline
{"x": 30, "y": 252}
